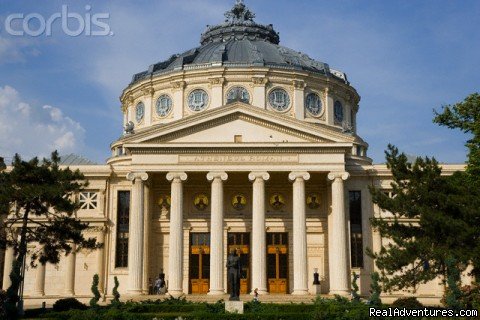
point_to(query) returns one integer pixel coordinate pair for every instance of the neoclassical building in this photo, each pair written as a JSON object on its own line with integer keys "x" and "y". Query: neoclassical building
{"x": 238, "y": 144}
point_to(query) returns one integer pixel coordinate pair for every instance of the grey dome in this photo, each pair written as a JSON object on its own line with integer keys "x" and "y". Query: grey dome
{"x": 240, "y": 42}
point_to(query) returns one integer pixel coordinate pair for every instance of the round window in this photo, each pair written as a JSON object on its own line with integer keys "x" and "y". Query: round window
{"x": 338, "y": 111}
{"x": 313, "y": 104}
{"x": 164, "y": 105}
{"x": 279, "y": 99}
{"x": 238, "y": 94}
{"x": 197, "y": 100}
{"x": 139, "y": 111}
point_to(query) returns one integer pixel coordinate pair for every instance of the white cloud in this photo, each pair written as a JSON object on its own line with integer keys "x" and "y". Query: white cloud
{"x": 34, "y": 130}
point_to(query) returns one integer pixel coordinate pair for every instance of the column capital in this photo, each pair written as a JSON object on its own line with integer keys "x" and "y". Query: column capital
{"x": 132, "y": 176}
{"x": 294, "y": 175}
{"x": 176, "y": 176}
{"x": 254, "y": 175}
{"x": 217, "y": 175}
{"x": 338, "y": 175}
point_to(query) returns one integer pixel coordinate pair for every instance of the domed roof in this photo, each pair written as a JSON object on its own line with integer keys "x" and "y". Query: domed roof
{"x": 240, "y": 42}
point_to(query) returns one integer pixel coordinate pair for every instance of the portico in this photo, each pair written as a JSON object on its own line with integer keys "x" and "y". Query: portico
{"x": 256, "y": 222}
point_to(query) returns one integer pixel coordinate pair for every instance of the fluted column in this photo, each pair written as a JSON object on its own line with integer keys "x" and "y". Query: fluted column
{"x": 337, "y": 237}
{"x": 7, "y": 267}
{"x": 70, "y": 272}
{"x": 259, "y": 241}
{"x": 300, "y": 277}
{"x": 175, "y": 249}
{"x": 135, "y": 230}
{"x": 216, "y": 233}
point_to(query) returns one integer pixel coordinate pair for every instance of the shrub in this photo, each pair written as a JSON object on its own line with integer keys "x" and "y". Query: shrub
{"x": 409, "y": 303}
{"x": 68, "y": 304}
{"x": 3, "y": 297}
{"x": 116, "y": 294}
{"x": 355, "y": 295}
{"x": 96, "y": 293}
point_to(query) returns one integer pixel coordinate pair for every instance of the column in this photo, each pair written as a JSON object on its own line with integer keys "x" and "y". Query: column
{"x": 300, "y": 277}
{"x": 70, "y": 261}
{"x": 259, "y": 241}
{"x": 39, "y": 289}
{"x": 337, "y": 237}
{"x": 216, "y": 233}
{"x": 7, "y": 268}
{"x": 135, "y": 242}
{"x": 175, "y": 248}
{"x": 100, "y": 259}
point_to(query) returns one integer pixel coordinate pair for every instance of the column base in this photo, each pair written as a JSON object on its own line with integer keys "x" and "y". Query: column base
{"x": 218, "y": 292}
{"x": 175, "y": 293}
{"x": 260, "y": 292}
{"x": 135, "y": 292}
{"x": 38, "y": 293}
{"x": 342, "y": 293}
{"x": 69, "y": 293}
{"x": 300, "y": 292}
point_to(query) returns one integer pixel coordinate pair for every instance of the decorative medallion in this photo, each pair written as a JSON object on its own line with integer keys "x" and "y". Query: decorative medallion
{"x": 163, "y": 105}
{"x": 279, "y": 99}
{"x": 338, "y": 111}
{"x": 164, "y": 201}
{"x": 313, "y": 201}
{"x": 139, "y": 111}
{"x": 277, "y": 201}
{"x": 239, "y": 201}
{"x": 197, "y": 100}
{"x": 313, "y": 104}
{"x": 238, "y": 94}
{"x": 200, "y": 201}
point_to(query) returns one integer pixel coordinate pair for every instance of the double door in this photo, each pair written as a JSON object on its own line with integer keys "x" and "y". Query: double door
{"x": 277, "y": 262}
{"x": 240, "y": 243}
{"x": 199, "y": 262}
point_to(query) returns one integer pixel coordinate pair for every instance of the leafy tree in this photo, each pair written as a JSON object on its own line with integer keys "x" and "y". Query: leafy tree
{"x": 431, "y": 220}
{"x": 375, "y": 290}
{"x": 96, "y": 293}
{"x": 39, "y": 199}
{"x": 355, "y": 295}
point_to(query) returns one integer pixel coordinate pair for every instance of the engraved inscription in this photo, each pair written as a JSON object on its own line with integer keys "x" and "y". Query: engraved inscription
{"x": 238, "y": 159}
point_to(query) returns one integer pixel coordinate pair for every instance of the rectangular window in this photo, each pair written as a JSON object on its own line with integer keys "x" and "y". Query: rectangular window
{"x": 356, "y": 244}
{"x": 123, "y": 219}
{"x": 88, "y": 200}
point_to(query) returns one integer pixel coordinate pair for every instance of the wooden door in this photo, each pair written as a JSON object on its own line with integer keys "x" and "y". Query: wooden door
{"x": 277, "y": 262}
{"x": 199, "y": 262}
{"x": 240, "y": 242}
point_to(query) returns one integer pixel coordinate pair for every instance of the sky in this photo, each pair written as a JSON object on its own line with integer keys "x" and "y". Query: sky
{"x": 60, "y": 89}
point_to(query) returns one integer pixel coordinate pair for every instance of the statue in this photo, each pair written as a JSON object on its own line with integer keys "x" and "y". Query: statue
{"x": 233, "y": 274}
{"x": 129, "y": 128}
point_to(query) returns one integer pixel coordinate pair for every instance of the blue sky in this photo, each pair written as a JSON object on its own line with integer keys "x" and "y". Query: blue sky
{"x": 405, "y": 58}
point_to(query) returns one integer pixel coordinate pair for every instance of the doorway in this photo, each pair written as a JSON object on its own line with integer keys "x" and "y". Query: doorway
{"x": 277, "y": 262}
{"x": 199, "y": 262}
{"x": 240, "y": 242}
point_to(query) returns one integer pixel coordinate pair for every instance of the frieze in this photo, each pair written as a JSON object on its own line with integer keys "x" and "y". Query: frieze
{"x": 238, "y": 159}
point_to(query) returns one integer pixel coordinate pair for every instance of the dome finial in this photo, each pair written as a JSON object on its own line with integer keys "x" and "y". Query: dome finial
{"x": 239, "y": 13}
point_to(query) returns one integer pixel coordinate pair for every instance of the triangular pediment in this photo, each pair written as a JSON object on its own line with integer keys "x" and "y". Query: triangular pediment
{"x": 246, "y": 123}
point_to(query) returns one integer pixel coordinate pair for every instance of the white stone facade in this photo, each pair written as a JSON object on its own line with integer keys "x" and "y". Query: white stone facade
{"x": 271, "y": 162}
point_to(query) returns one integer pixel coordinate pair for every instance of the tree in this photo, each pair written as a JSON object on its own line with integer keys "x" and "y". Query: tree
{"x": 375, "y": 290}
{"x": 38, "y": 197}
{"x": 465, "y": 116}
{"x": 115, "y": 293}
{"x": 431, "y": 220}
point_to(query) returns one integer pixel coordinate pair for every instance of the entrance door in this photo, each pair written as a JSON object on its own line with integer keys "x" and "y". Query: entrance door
{"x": 277, "y": 262}
{"x": 199, "y": 262}
{"x": 240, "y": 242}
